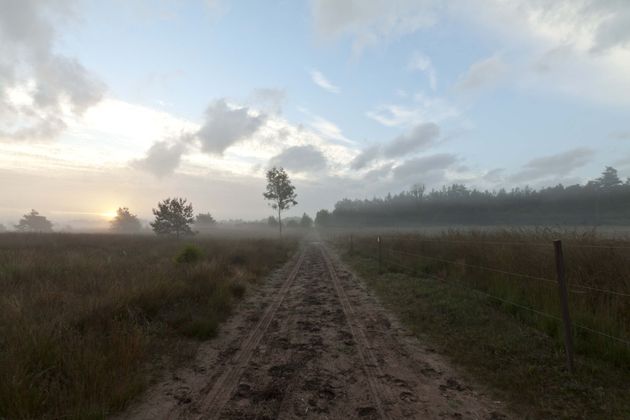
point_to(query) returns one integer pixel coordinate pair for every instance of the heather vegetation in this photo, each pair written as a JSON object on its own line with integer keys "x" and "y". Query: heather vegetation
{"x": 81, "y": 316}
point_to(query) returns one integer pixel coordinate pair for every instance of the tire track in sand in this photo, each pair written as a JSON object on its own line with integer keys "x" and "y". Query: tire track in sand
{"x": 222, "y": 389}
{"x": 370, "y": 364}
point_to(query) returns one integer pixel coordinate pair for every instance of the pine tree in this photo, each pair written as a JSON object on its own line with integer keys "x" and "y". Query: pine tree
{"x": 173, "y": 217}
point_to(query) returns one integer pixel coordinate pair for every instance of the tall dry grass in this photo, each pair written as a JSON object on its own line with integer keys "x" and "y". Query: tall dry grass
{"x": 595, "y": 268}
{"x": 82, "y": 315}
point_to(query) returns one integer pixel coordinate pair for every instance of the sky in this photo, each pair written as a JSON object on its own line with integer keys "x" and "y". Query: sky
{"x": 127, "y": 102}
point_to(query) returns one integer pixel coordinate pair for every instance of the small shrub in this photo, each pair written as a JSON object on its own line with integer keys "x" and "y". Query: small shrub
{"x": 201, "y": 328}
{"x": 238, "y": 260}
{"x": 238, "y": 289}
{"x": 190, "y": 254}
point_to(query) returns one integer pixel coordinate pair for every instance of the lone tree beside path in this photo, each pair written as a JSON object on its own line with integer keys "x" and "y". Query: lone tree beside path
{"x": 173, "y": 217}
{"x": 280, "y": 192}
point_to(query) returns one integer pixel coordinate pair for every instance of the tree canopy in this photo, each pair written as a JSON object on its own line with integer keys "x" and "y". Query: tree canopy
{"x": 34, "y": 222}
{"x": 323, "y": 218}
{"x": 173, "y": 217}
{"x": 604, "y": 200}
{"x": 204, "y": 223}
{"x": 125, "y": 222}
{"x": 205, "y": 219}
{"x": 280, "y": 192}
{"x": 306, "y": 222}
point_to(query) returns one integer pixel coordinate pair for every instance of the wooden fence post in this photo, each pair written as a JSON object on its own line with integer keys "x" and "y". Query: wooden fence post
{"x": 564, "y": 300}
{"x": 380, "y": 254}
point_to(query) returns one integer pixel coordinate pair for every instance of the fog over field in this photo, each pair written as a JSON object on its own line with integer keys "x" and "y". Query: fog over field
{"x": 104, "y": 105}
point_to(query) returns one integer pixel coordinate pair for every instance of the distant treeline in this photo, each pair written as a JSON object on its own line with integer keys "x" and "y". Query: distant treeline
{"x": 602, "y": 201}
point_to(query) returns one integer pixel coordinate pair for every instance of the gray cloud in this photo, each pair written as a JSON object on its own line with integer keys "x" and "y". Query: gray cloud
{"x": 26, "y": 40}
{"x": 40, "y": 128}
{"x": 269, "y": 99}
{"x": 162, "y": 158}
{"x": 614, "y": 30}
{"x": 494, "y": 175}
{"x": 370, "y": 21}
{"x": 624, "y": 162}
{"x": 421, "y": 136}
{"x": 300, "y": 159}
{"x": 481, "y": 74}
{"x": 432, "y": 167}
{"x": 620, "y": 135}
{"x": 225, "y": 126}
{"x": 560, "y": 164}
{"x": 365, "y": 157}
{"x": 378, "y": 173}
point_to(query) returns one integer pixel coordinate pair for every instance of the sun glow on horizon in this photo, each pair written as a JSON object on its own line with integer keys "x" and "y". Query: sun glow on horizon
{"x": 108, "y": 214}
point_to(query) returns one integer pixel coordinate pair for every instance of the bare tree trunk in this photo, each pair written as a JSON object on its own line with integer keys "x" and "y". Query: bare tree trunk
{"x": 279, "y": 221}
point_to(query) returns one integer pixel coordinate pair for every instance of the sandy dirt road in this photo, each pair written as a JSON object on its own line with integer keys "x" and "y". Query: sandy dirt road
{"x": 314, "y": 343}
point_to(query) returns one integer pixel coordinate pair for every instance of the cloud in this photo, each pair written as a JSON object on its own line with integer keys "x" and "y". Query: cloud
{"x": 614, "y": 29}
{"x": 39, "y": 128}
{"x": 378, "y": 173}
{"x": 162, "y": 158}
{"x": 225, "y": 126}
{"x": 581, "y": 46}
{"x": 423, "y": 109}
{"x": 419, "y": 137}
{"x": 269, "y": 99}
{"x": 328, "y": 129}
{"x": 300, "y": 159}
{"x": 620, "y": 135}
{"x": 369, "y": 22}
{"x": 482, "y": 74}
{"x": 594, "y": 33}
{"x": 560, "y": 164}
{"x": 320, "y": 80}
{"x": 55, "y": 87}
{"x": 421, "y": 62}
{"x": 365, "y": 157}
{"x": 325, "y": 128}
{"x": 494, "y": 175}
{"x": 248, "y": 138}
{"x": 431, "y": 167}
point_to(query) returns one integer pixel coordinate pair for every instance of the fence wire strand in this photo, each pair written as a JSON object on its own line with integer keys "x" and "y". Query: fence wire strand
{"x": 513, "y": 274}
{"x": 527, "y": 308}
{"x": 567, "y": 244}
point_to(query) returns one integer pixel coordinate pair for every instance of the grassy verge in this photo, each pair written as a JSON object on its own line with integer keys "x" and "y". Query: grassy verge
{"x": 500, "y": 346}
{"x": 518, "y": 266}
{"x": 82, "y": 315}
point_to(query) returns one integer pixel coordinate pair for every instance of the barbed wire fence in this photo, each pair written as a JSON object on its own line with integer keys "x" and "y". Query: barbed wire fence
{"x": 385, "y": 256}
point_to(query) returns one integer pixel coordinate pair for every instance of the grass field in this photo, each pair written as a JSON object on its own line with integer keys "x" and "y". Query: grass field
{"x": 449, "y": 297}
{"x": 81, "y": 316}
